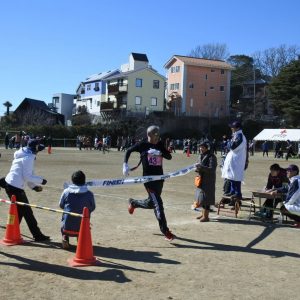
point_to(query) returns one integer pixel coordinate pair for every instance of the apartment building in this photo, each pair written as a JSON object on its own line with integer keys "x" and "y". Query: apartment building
{"x": 138, "y": 88}
{"x": 198, "y": 87}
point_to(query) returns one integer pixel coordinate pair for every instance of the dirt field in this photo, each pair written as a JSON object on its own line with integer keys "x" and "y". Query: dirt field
{"x": 226, "y": 258}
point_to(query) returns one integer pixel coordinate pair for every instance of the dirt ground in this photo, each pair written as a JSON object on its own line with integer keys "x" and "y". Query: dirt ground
{"x": 226, "y": 258}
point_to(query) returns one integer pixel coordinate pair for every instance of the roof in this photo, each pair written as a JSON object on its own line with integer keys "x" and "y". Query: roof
{"x": 125, "y": 74}
{"x": 200, "y": 62}
{"x": 36, "y": 104}
{"x": 100, "y": 76}
{"x": 278, "y": 135}
{"x": 140, "y": 56}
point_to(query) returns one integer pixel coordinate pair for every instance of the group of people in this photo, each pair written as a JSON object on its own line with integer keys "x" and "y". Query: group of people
{"x": 152, "y": 151}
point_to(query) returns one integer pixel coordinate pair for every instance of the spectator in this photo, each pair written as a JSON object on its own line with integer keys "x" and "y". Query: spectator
{"x": 291, "y": 206}
{"x": 236, "y": 161}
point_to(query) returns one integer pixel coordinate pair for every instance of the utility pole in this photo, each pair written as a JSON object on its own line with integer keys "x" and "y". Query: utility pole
{"x": 253, "y": 91}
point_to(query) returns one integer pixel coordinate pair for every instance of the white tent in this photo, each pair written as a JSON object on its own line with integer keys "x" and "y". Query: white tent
{"x": 278, "y": 135}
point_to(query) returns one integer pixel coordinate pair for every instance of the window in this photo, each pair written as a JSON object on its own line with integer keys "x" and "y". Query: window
{"x": 88, "y": 87}
{"x": 205, "y": 93}
{"x": 222, "y": 71}
{"x": 191, "y": 85}
{"x": 212, "y": 88}
{"x": 176, "y": 85}
{"x": 212, "y": 70}
{"x": 206, "y": 76}
{"x": 138, "y": 100}
{"x": 153, "y": 101}
{"x": 172, "y": 86}
{"x": 98, "y": 103}
{"x": 222, "y": 88}
{"x": 55, "y": 100}
{"x": 96, "y": 88}
{"x": 138, "y": 82}
{"x": 175, "y": 69}
{"x": 156, "y": 84}
{"x": 191, "y": 102}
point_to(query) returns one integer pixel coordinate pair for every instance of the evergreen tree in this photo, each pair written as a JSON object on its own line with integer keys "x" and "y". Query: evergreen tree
{"x": 285, "y": 93}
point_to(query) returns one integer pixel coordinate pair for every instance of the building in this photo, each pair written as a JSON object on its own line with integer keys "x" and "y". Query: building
{"x": 198, "y": 87}
{"x": 36, "y": 112}
{"x": 91, "y": 93}
{"x": 63, "y": 104}
{"x": 137, "y": 90}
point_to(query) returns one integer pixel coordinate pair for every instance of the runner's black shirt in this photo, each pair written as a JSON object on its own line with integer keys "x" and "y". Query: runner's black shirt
{"x": 152, "y": 164}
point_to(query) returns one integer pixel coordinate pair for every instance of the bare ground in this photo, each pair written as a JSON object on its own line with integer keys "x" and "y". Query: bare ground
{"x": 226, "y": 258}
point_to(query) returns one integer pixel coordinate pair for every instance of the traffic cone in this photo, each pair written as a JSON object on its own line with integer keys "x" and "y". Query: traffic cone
{"x": 188, "y": 154}
{"x": 84, "y": 251}
{"x": 49, "y": 149}
{"x": 12, "y": 233}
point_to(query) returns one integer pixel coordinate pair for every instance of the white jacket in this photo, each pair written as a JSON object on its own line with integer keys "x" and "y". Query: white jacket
{"x": 21, "y": 170}
{"x": 235, "y": 160}
{"x": 292, "y": 203}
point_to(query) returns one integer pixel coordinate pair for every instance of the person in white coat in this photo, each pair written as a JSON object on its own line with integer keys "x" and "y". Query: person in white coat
{"x": 21, "y": 172}
{"x": 291, "y": 206}
{"x": 236, "y": 161}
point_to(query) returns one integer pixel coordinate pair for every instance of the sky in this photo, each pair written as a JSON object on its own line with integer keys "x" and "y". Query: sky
{"x": 50, "y": 46}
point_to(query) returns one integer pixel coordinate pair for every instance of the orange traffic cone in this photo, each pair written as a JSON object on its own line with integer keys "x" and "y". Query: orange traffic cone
{"x": 188, "y": 152}
{"x": 12, "y": 233}
{"x": 84, "y": 252}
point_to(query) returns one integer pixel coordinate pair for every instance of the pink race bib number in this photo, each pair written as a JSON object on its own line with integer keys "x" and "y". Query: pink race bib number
{"x": 154, "y": 160}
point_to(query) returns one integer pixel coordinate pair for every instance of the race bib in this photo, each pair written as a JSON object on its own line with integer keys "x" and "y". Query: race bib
{"x": 154, "y": 160}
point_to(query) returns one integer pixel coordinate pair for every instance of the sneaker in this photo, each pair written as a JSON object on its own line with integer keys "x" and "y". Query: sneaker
{"x": 131, "y": 208}
{"x": 169, "y": 236}
{"x": 65, "y": 242}
{"x": 41, "y": 238}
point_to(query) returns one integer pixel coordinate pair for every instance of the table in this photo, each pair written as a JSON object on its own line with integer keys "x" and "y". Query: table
{"x": 264, "y": 195}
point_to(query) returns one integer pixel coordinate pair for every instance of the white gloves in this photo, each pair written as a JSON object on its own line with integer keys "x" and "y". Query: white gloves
{"x": 126, "y": 169}
{"x": 154, "y": 152}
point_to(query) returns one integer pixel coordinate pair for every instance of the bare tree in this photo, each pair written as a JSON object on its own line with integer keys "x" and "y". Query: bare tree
{"x": 211, "y": 51}
{"x": 272, "y": 60}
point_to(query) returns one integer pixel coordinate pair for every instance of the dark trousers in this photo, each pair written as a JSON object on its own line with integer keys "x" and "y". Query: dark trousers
{"x": 155, "y": 202}
{"x": 236, "y": 188}
{"x": 24, "y": 211}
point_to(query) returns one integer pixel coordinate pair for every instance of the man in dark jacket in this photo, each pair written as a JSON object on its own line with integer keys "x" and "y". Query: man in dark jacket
{"x": 152, "y": 153}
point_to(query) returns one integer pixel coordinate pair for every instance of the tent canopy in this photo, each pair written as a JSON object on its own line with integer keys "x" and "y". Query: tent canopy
{"x": 278, "y": 135}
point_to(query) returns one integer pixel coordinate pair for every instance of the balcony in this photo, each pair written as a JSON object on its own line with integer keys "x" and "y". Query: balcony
{"x": 106, "y": 105}
{"x": 116, "y": 89}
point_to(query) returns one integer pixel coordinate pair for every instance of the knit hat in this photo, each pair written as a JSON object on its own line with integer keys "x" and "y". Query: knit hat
{"x": 35, "y": 146}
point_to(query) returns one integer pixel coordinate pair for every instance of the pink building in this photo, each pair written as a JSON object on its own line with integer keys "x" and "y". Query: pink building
{"x": 198, "y": 87}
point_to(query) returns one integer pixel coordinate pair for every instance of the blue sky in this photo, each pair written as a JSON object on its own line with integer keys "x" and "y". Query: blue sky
{"x": 49, "y": 46}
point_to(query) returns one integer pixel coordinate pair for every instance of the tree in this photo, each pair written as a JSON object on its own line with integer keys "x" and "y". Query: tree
{"x": 8, "y": 105}
{"x": 272, "y": 60}
{"x": 285, "y": 93}
{"x": 211, "y": 51}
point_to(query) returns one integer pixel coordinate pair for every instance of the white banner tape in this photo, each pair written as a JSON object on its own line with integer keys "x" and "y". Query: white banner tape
{"x": 106, "y": 183}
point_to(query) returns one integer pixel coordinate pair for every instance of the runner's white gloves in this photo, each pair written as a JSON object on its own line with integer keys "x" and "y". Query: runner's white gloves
{"x": 154, "y": 152}
{"x": 126, "y": 169}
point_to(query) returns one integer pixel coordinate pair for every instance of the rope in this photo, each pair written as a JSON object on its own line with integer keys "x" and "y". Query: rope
{"x": 43, "y": 208}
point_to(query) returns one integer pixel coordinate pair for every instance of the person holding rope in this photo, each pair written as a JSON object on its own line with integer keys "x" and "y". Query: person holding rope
{"x": 73, "y": 199}
{"x": 21, "y": 172}
{"x": 152, "y": 152}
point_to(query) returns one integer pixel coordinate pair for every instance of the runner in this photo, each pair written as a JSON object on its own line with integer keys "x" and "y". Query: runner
{"x": 152, "y": 153}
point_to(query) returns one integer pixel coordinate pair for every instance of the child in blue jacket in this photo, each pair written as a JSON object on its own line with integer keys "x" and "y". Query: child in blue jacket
{"x": 73, "y": 199}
